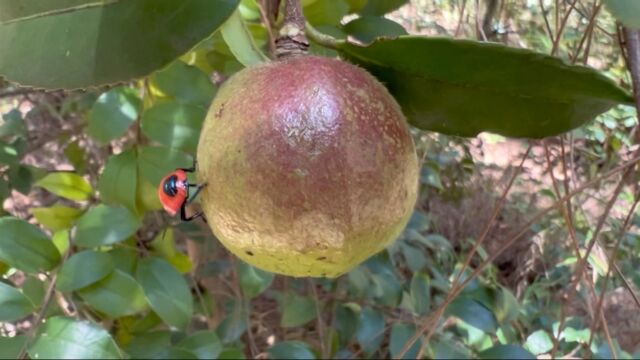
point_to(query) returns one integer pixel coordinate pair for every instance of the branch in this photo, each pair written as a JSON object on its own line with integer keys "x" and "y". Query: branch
{"x": 632, "y": 38}
{"x": 291, "y": 40}
{"x": 18, "y": 92}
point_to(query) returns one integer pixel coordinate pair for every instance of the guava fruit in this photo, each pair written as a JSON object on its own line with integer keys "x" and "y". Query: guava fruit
{"x": 310, "y": 166}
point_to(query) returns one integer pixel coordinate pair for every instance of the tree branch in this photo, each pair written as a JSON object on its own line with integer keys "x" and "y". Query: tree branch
{"x": 632, "y": 39}
{"x": 291, "y": 40}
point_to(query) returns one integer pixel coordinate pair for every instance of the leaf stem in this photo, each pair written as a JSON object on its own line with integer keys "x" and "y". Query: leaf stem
{"x": 322, "y": 38}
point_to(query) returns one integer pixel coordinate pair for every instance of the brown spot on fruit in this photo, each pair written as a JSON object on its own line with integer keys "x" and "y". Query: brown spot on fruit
{"x": 295, "y": 175}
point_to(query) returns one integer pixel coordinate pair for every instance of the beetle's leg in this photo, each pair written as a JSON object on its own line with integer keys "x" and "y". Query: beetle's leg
{"x": 192, "y": 168}
{"x": 199, "y": 188}
{"x": 183, "y": 213}
{"x": 183, "y": 208}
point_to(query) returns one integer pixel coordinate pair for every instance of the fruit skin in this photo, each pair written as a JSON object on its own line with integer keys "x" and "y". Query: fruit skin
{"x": 310, "y": 166}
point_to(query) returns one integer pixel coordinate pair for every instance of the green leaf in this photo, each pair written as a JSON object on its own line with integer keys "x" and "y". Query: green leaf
{"x": 174, "y": 125}
{"x": 400, "y": 334}
{"x": 450, "y": 349}
{"x": 473, "y": 313}
{"x": 233, "y": 325}
{"x": 386, "y": 288}
{"x": 12, "y": 123}
{"x": 291, "y": 349}
{"x": 116, "y": 295}
{"x": 76, "y": 156}
{"x": 4, "y": 189}
{"x": 105, "y": 225}
{"x": 10, "y": 347}
{"x": 539, "y": 342}
{"x": 20, "y": 178}
{"x": 627, "y": 11}
{"x": 231, "y": 353}
{"x": 67, "y": 185}
{"x": 367, "y": 28}
{"x": 113, "y": 113}
{"x": 14, "y": 305}
{"x": 297, "y": 310}
{"x": 325, "y": 12}
{"x": 13, "y": 10}
{"x": 185, "y": 83}
{"x": 8, "y": 154}
{"x": 381, "y": 7}
{"x": 370, "y": 332}
{"x": 83, "y": 269}
{"x": 113, "y": 42}
{"x": 253, "y": 281}
{"x": 25, "y": 247}
{"x": 124, "y": 259}
{"x": 420, "y": 292}
{"x": 156, "y": 162}
{"x": 60, "y": 239}
{"x": 66, "y": 338}
{"x": 164, "y": 245}
{"x": 34, "y": 289}
{"x": 507, "y": 307}
{"x": 156, "y": 345}
{"x": 119, "y": 180}
{"x": 204, "y": 344}
{"x": 346, "y": 321}
{"x": 56, "y": 217}
{"x": 167, "y": 291}
{"x": 149, "y": 345}
{"x": 505, "y": 352}
{"x": 240, "y": 41}
{"x": 463, "y": 87}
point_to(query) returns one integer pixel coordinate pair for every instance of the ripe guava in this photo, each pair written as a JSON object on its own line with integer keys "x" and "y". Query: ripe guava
{"x": 309, "y": 164}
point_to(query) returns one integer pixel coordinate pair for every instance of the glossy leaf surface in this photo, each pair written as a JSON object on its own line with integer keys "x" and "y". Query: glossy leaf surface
{"x": 83, "y": 269}
{"x": 113, "y": 42}
{"x": 14, "y": 305}
{"x": 167, "y": 291}
{"x": 105, "y": 225}
{"x": 116, "y": 295}
{"x": 26, "y": 247}
{"x": 66, "y": 338}
{"x": 463, "y": 87}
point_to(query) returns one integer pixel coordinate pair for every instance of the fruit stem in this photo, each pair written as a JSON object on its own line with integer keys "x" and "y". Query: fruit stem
{"x": 291, "y": 40}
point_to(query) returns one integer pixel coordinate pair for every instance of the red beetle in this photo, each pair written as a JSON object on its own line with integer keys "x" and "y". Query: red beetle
{"x": 173, "y": 192}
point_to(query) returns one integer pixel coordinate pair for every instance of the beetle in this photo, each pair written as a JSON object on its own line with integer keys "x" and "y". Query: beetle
{"x": 173, "y": 192}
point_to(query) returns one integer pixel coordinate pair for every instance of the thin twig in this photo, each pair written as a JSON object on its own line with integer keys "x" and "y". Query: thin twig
{"x": 546, "y": 20}
{"x": 479, "y": 29}
{"x": 483, "y": 235}
{"x": 461, "y": 18}
{"x": 565, "y": 209}
{"x": 560, "y": 30}
{"x": 587, "y": 35}
{"x": 611, "y": 262}
{"x": 428, "y": 325}
{"x": 323, "y": 346}
{"x": 266, "y": 20}
{"x": 581, "y": 264}
{"x": 44, "y": 307}
{"x": 18, "y": 92}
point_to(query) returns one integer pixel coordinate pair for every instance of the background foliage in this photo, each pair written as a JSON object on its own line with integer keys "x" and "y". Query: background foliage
{"x": 92, "y": 268}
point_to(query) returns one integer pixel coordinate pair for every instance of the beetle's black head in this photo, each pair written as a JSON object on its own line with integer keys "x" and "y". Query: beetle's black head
{"x": 170, "y": 186}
